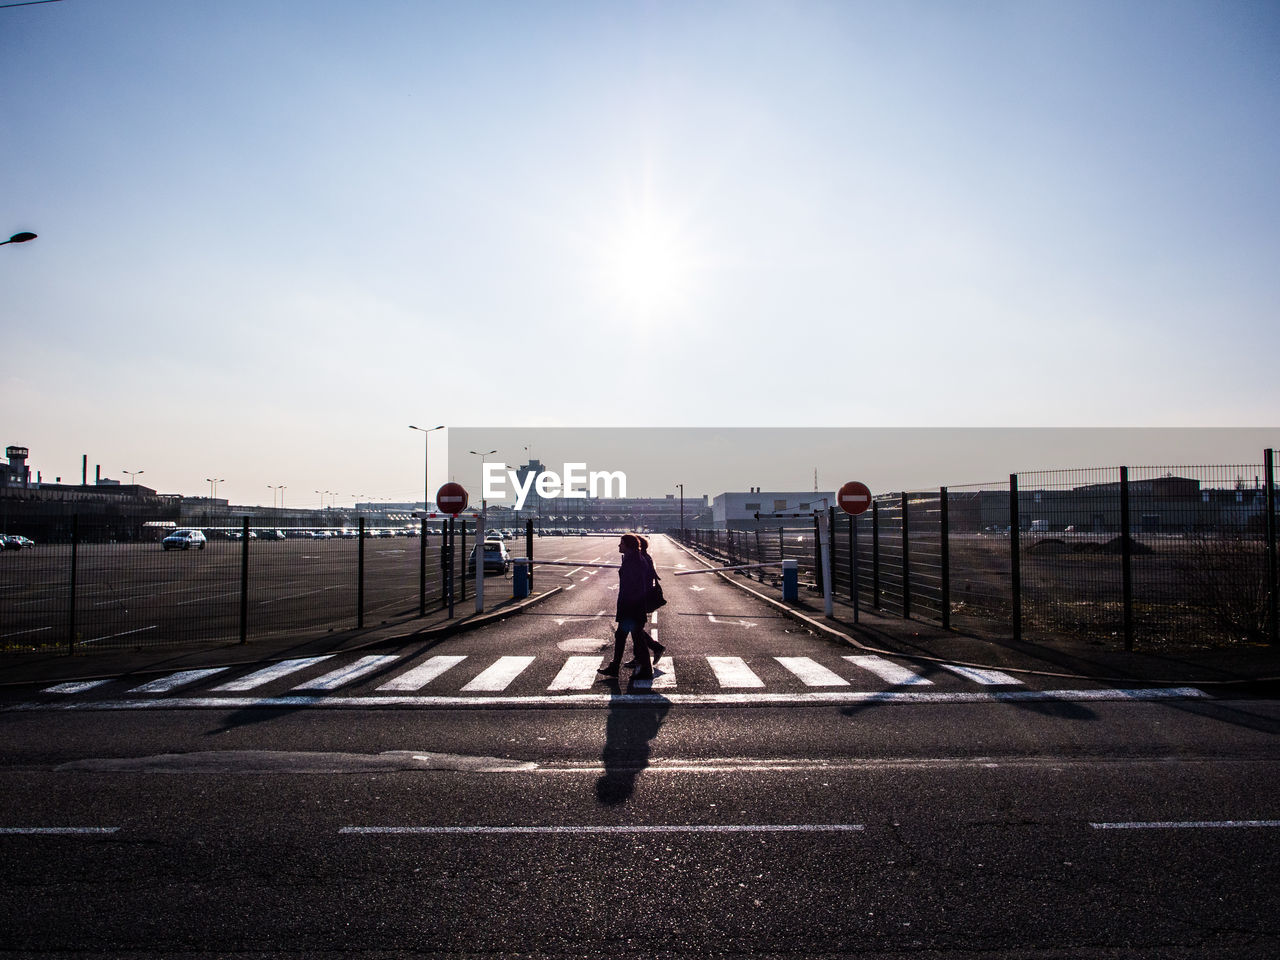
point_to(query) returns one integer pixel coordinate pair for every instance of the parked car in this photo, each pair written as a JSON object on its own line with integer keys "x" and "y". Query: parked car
{"x": 271, "y": 535}
{"x": 496, "y": 558}
{"x": 184, "y": 540}
{"x": 15, "y": 542}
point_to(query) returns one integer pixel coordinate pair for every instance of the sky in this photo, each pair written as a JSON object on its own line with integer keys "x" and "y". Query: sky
{"x": 273, "y": 234}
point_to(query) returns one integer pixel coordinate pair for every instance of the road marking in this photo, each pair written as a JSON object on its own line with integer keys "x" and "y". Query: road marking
{"x": 733, "y": 672}
{"x": 422, "y": 674}
{"x": 126, "y": 633}
{"x": 991, "y": 678}
{"x": 75, "y": 686}
{"x": 213, "y": 596}
{"x": 894, "y": 673}
{"x": 1185, "y": 824}
{"x": 664, "y": 678}
{"x": 344, "y": 675}
{"x": 273, "y": 672}
{"x": 743, "y": 623}
{"x": 173, "y": 681}
{"x": 671, "y": 828}
{"x": 697, "y": 589}
{"x": 578, "y": 673}
{"x": 812, "y": 673}
{"x": 593, "y": 700}
{"x": 18, "y": 633}
{"x": 500, "y": 675}
{"x": 55, "y": 831}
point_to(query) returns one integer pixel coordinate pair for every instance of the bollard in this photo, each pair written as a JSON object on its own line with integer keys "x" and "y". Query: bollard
{"x": 520, "y": 581}
{"x": 790, "y": 580}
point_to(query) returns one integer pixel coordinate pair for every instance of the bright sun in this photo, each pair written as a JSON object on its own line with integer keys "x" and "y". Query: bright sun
{"x": 648, "y": 265}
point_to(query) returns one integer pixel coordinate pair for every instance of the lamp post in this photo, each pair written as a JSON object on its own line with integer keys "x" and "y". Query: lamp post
{"x": 23, "y": 238}
{"x": 426, "y": 449}
{"x": 681, "y": 486}
{"x": 273, "y": 494}
{"x": 484, "y": 506}
{"x": 133, "y": 475}
{"x": 213, "y": 487}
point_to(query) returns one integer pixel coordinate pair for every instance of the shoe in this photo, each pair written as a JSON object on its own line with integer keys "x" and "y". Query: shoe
{"x": 658, "y": 650}
{"x": 610, "y": 671}
{"x": 642, "y": 675}
{"x": 630, "y": 663}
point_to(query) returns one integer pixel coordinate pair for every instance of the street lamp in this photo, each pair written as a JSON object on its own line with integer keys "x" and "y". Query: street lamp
{"x": 681, "y": 486}
{"x": 133, "y": 475}
{"x": 323, "y": 494}
{"x": 213, "y": 487}
{"x": 23, "y": 238}
{"x": 273, "y": 494}
{"x": 484, "y": 506}
{"x": 426, "y": 479}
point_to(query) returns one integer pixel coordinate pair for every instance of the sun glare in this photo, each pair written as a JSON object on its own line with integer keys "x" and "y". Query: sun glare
{"x": 648, "y": 266}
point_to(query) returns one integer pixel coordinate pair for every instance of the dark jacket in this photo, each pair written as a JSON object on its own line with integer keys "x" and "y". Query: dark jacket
{"x": 635, "y": 577}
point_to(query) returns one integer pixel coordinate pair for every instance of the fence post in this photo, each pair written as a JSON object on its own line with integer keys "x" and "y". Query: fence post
{"x": 1015, "y": 572}
{"x": 759, "y": 554}
{"x": 360, "y": 577}
{"x": 817, "y": 552}
{"x": 244, "y": 580}
{"x": 1273, "y": 587}
{"x": 906, "y": 560}
{"x": 1126, "y": 559}
{"x": 945, "y": 544}
{"x": 875, "y": 554}
{"x": 71, "y": 621}
{"x": 462, "y": 552}
{"x": 528, "y": 552}
{"x": 422, "y": 567}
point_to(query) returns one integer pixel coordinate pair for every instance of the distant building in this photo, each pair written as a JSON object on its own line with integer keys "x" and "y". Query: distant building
{"x": 737, "y": 511}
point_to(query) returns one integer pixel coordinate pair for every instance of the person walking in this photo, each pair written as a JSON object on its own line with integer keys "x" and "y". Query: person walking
{"x": 635, "y": 577}
{"x": 656, "y": 650}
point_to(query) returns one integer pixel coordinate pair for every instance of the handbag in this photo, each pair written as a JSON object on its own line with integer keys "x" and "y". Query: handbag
{"x": 654, "y": 598}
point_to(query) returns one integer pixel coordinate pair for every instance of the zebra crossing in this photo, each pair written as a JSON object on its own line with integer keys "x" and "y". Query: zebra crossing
{"x": 388, "y": 680}
{"x": 575, "y": 673}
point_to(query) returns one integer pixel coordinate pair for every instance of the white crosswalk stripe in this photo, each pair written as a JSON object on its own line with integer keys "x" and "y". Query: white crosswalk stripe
{"x": 173, "y": 681}
{"x": 268, "y": 674}
{"x": 498, "y": 676}
{"x": 422, "y": 674}
{"x": 344, "y": 675}
{"x": 811, "y": 673}
{"x": 578, "y": 673}
{"x": 894, "y": 673}
{"x": 733, "y": 672}
{"x": 988, "y": 678}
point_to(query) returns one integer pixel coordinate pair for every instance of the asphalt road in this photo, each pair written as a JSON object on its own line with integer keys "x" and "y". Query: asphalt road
{"x": 306, "y": 817}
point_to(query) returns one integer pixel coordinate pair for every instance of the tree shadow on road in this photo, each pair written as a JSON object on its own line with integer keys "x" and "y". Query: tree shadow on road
{"x": 634, "y": 721}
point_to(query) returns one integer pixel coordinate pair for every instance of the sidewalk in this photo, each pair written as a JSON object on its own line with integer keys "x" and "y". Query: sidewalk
{"x": 419, "y": 631}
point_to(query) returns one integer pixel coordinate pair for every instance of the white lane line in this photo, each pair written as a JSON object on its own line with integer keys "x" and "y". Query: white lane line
{"x": 19, "y": 633}
{"x": 733, "y": 672}
{"x": 422, "y": 674}
{"x": 344, "y": 675}
{"x": 126, "y": 633}
{"x": 55, "y": 831}
{"x": 990, "y": 678}
{"x": 500, "y": 675}
{"x": 292, "y": 596}
{"x": 214, "y": 596}
{"x": 812, "y": 673}
{"x": 1185, "y": 824}
{"x": 75, "y": 686}
{"x": 578, "y": 673}
{"x": 671, "y": 828}
{"x": 268, "y": 674}
{"x": 894, "y": 673}
{"x": 173, "y": 681}
{"x": 813, "y": 698}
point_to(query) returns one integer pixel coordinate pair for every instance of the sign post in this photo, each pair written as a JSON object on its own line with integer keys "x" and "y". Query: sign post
{"x": 854, "y": 499}
{"x": 451, "y": 499}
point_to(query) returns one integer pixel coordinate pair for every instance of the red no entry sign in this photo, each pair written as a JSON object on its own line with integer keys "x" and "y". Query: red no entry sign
{"x": 854, "y": 498}
{"x": 452, "y": 498}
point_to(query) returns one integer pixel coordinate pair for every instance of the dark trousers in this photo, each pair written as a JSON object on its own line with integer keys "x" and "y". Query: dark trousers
{"x": 640, "y": 642}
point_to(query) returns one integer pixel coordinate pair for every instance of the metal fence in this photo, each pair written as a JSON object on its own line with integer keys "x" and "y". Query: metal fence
{"x": 242, "y": 585}
{"x": 1121, "y": 555}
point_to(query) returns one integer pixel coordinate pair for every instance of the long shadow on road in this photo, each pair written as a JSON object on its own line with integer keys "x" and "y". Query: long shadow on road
{"x": 629, "y": 732}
